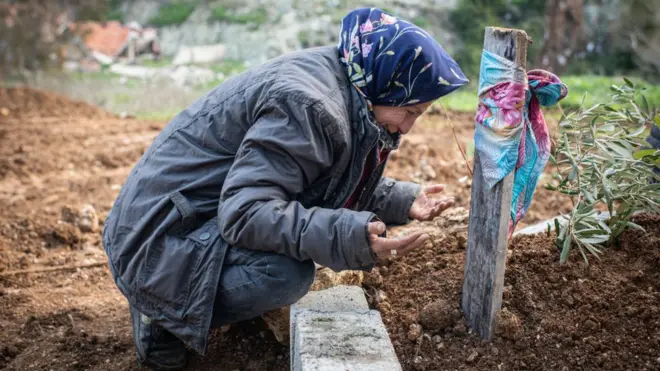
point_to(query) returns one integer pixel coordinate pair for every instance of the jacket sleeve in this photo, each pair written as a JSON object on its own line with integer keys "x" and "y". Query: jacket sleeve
{"x": 392, "y": 199}
{"x": 283, "y": 152}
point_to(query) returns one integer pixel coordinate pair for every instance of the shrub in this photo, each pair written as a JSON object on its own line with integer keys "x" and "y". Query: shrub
{"x": 602, "y": 163}
{"x": 173, "y": 13}
{"x": 255, "y": 17}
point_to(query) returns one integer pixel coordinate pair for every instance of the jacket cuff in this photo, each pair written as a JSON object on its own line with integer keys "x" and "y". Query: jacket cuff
{"x": 403, "y": 196}
{"x": 358, "y": 251}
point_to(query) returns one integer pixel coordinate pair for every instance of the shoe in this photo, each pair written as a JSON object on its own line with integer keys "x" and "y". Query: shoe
{"x": 155, "y": 347}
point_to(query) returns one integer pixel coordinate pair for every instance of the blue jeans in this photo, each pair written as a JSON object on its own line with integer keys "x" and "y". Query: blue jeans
{"x": 255, "y": 282}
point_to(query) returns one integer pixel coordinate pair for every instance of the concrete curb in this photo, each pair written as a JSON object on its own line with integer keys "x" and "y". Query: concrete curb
{"x": 334, "y": 330}
{"x": 542, "y": 227}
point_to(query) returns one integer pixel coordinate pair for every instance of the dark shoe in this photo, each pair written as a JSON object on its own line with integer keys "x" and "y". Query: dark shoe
{"x": 155, "y": 347}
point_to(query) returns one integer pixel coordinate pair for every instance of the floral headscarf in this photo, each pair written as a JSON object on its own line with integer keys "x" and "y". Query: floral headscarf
{"x": 393, "y": 62}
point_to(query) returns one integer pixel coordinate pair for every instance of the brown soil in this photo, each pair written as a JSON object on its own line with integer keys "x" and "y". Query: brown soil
{"x": 57, "y": 158}
{"x": 62, "y": 164}
{"x": 555, "y": 317}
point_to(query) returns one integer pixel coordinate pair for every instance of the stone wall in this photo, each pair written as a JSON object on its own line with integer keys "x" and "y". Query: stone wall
{"x": 288, "y": 24}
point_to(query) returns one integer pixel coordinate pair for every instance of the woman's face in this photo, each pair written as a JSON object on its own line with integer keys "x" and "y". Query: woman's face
{"x": 399, "y": 119}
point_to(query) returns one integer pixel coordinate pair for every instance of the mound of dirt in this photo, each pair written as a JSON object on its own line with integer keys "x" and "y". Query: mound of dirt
{"x": 555, "y": 317}
{"x": 27, "y": 102}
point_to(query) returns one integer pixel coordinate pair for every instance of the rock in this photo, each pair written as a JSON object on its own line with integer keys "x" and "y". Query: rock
{"x": 278, "y": 322}
{"x": 591, "y": 325}
{"x": 473, "y": 356}
{"x": 384, "y": 271}
{"x": 326, "y": 278}
{"x": 66, "y": 234}
{"x": 200, "y": 54}
{"x": 438, "y": 315}
{"x": 190, "y": 75}
{"x": 460, "y": 329}
{"x": 69, "y": 214}
{"x": 89, "y": 220}
{"x": 414, "y": 332}
{"x": 380, "y": 297}
{"x": 461, "y": 241}
{"x": 349, "y": 278}
{"x": 508, "y": 325}
{"x": 10, "y": 351}
{"x": 437, "y": 339}
{"x": 373, "y": 279}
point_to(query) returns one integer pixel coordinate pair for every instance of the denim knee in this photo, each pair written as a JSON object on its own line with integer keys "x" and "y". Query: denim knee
{"x": 290, "y": 279}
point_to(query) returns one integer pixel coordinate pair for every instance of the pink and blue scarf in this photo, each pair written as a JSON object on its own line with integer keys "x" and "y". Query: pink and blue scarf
{"x": 510, "y": 132}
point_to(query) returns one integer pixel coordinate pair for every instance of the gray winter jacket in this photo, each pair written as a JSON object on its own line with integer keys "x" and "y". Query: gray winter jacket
{"x": 264, "y": 161}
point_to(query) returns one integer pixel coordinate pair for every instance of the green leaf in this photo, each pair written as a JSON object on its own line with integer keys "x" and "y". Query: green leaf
{"x": 629, "y": 83}
{"x": 635, "y": 226}
{"x": 566, "y": 248}
{"x": 620, "y": 150}
{"x": 595, "y": 240}
{"x": 640, "y": 130}
{"x": 645, "y": 105}
{"x": 588, "y": 196}
{"x": 644, "y": 152}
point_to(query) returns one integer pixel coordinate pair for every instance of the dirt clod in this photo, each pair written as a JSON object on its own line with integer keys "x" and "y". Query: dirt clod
{"x": 472, "y": 357}
{"x": 66, "y": 234}
{"x": 414, "y": 332}
{"x": 438, "y": 315}
{"x": 373, "y": 279}
{"x": 508, "y": 325}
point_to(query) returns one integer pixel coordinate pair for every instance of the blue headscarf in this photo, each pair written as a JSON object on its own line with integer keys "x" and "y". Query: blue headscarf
{"x": 392, "y": 62}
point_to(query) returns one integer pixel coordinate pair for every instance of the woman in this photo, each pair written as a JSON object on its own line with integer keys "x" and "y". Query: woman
{"x": 280, "y": 167}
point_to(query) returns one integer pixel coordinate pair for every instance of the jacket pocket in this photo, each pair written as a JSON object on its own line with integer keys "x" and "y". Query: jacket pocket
{"x": 173, "y": 262}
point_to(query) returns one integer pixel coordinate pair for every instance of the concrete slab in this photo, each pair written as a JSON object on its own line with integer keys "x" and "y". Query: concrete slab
{"x": 340, "y": 341}
{"x": 342, "y": 298}
{"x": 334, "y": 330}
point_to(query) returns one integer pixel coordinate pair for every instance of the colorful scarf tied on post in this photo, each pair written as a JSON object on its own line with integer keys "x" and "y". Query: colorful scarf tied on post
{"x": 510, "y": 132}
{"x": 392, "y": 62}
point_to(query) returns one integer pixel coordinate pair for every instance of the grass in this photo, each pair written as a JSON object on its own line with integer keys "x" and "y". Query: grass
{"x": 255, "y": 17}
{"x": 228, "y": 67}
{"x": 173, "y": 13}
{"x": 161, "y": 62}
{"x": 596, "y": 88}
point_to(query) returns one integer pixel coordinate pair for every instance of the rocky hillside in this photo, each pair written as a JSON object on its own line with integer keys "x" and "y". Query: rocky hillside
{"x": 254, "y": 30}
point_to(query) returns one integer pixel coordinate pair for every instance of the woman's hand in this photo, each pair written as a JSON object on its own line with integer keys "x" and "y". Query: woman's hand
{"x": 384, "y": 247}
{"x": 425, "y": 208}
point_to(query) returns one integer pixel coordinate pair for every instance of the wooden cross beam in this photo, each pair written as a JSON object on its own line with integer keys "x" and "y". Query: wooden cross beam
{"x": 490, "y": 209}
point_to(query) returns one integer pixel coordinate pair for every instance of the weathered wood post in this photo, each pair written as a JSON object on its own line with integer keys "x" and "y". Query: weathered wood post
{"x": 485, "y": 254}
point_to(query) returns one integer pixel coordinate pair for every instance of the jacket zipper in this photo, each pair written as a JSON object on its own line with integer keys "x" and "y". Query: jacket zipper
{"x": 364, "y": 161}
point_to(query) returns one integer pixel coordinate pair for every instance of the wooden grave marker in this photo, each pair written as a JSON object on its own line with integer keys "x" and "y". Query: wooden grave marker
{"x": 488, "y": 225}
